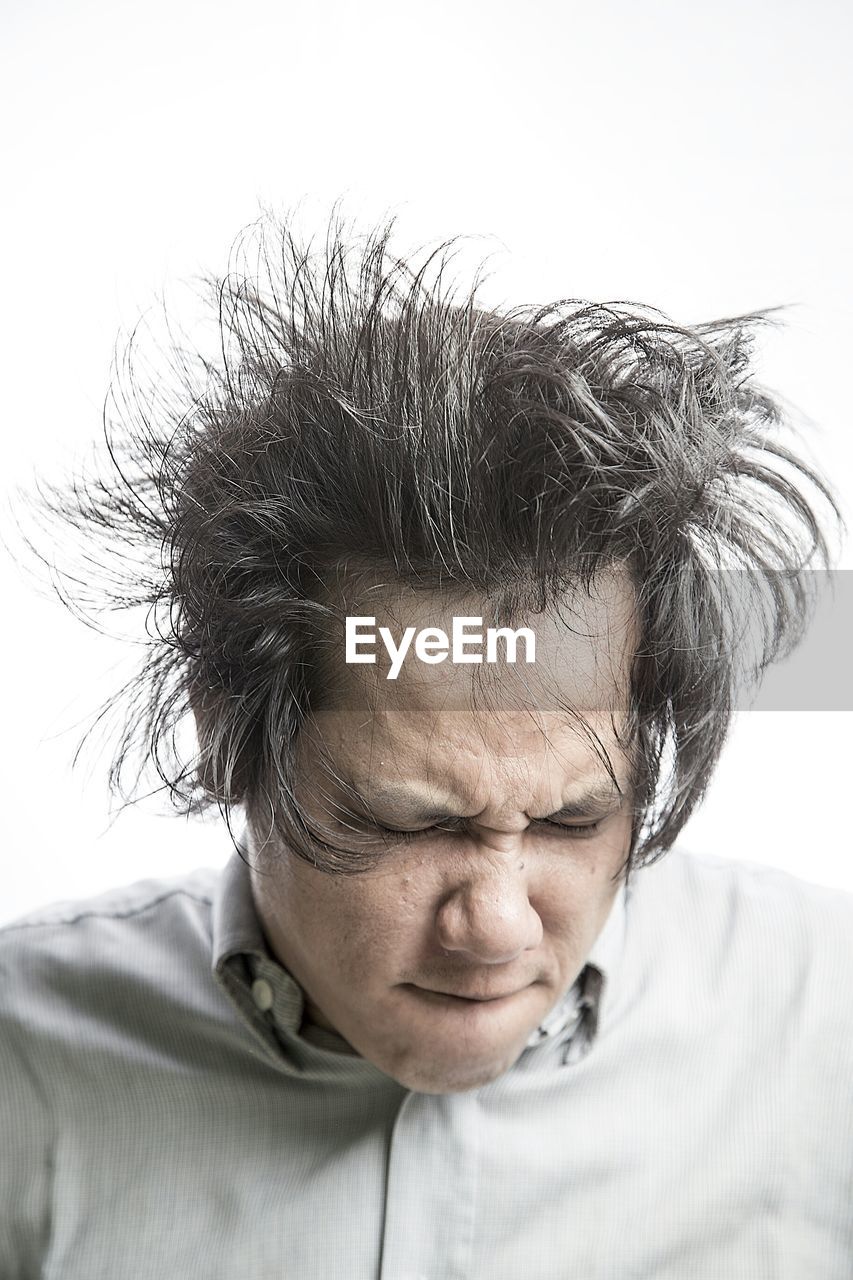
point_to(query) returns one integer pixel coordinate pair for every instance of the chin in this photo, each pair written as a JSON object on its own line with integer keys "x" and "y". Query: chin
{"x": 441, "y": 1077}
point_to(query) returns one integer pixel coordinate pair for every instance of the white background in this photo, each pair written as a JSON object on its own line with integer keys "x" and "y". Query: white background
{"x": 696, "y": 157}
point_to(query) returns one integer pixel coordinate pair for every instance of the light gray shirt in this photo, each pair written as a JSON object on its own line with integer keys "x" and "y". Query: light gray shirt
{"x": 685, "y": 1113}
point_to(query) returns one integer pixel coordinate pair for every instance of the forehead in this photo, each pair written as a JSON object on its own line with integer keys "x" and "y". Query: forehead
{"x": 469, "y": 727}
{"x": 584, "y": 647}
{"x": 469, "y": 761}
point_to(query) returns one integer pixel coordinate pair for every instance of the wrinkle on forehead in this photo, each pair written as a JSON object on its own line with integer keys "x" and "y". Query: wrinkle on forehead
{"x": 585, "y": 646}
{"x": 466, "y": 764}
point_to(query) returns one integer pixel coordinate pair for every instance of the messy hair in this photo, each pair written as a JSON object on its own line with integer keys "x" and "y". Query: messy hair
{"x": 363, "y": 404}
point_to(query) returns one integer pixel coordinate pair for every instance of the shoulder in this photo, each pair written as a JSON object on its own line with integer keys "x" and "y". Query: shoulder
{"x": 746, "y": 927}
{"x": 743, "y": 894}
{"x": 111, "y": 913}
{"x": 87, "y": 988}
{"x": 73, "y": 958}
{"x": 122, "y": 901}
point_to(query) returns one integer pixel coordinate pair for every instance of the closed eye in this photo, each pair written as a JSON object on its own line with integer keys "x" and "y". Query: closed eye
{"x": 573, "y": 828}
{"x": 452, "y": 826}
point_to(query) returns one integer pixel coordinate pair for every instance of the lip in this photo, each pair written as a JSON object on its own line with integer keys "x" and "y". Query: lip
{"x": 453, "y": 997}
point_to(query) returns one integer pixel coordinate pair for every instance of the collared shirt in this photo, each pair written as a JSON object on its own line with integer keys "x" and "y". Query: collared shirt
{"x": 685, "y": 1113}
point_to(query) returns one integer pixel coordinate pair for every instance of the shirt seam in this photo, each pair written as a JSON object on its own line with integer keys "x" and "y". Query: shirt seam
{"x": 106, "y": 914}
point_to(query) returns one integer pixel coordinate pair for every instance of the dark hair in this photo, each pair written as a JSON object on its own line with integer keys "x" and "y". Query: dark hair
{"x": 360, "y": 405}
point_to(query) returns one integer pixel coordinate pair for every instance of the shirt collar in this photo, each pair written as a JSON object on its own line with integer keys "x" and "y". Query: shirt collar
{"x": 236, "y": 927}
{"x": 241, "y": 958}
{"x": 577, "y": 1017}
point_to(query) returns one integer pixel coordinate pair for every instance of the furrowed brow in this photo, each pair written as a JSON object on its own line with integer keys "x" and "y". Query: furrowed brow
{"x": 600, "y": 799}
{"x": 403, "y": 805}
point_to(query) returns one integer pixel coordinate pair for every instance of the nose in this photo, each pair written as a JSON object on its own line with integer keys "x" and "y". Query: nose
{"x": 487, "y": 916}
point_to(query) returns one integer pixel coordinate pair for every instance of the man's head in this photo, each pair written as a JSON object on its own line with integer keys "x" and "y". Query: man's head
{"x": 366, "y": 417}
{"x": 371, "y": 442}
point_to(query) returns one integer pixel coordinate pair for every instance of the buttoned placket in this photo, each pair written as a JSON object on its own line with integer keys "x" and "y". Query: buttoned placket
{"x": 435, "y": 1158}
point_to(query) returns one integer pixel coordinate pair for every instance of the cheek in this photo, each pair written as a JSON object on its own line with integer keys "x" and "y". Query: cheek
{"x": 390, "y": 924}
{"x": 573, "y": 883}
{"x": 364, "y": 929}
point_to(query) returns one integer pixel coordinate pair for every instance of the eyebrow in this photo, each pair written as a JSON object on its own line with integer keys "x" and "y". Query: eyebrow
{"x": 600, "y": 798}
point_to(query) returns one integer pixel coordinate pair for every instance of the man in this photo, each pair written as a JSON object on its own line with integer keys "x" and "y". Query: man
{"x": 460, "y": 601}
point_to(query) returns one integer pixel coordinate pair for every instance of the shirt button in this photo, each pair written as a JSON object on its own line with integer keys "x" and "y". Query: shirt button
{"x": 262, "y": 994}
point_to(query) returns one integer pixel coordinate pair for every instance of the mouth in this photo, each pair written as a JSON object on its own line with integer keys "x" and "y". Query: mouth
{"x": 449, "y": 997}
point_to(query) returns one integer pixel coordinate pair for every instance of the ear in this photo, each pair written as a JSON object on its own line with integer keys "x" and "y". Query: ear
{"x": 212, "y": 764}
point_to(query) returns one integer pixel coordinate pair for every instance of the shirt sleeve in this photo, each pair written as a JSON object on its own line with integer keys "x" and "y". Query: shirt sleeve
{"x": 26, "y": 1140}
